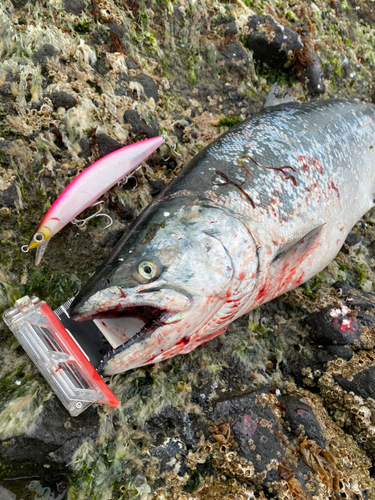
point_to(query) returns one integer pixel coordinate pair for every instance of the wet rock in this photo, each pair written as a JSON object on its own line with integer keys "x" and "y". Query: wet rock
{"x": 6, "y": 94}
{"x": 231, "y": 28}
{"x": 121, "y": 87}
{"x": 42, "y": 55}
{"x": 362, "y": 384}
{"x": 156, "y": 187}
{"x": 9, "y": 196}
{"x": 149, "y": 86}
{"x": 51, "y": 441}
{"x": 62, "y": 100}
{"x": 139, "y": 126}
{"x": 270, "y": 42}
{"x": 237, "y": 57}
{"x": 300, "y": 415}
{"x": 340, "y": 351}
{"x": 352, "y": 239}
{"x": 131, "y": 64}
{"x": 314, "y": 77}
{"x": 101, "y": 66}
{"x": 334, "y": 325}
{"x": 99, "y": 37}
{"x": 258, "y": 444}
{"x": 305, "y": 370}
{"x": 106, "y": 144}
{"x": 85, "y": 145}
{"x": 115, "y": 28}
{"x": 74, "y": 6}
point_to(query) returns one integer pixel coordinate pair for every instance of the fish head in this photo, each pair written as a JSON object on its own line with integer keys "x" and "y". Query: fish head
{"x": 173, "y": 272}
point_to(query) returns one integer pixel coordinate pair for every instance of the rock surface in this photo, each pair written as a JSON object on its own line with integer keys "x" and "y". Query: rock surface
{"x": 280, "y": 406}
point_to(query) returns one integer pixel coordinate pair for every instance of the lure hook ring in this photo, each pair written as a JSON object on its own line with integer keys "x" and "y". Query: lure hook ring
{"x": 25, "y": 248}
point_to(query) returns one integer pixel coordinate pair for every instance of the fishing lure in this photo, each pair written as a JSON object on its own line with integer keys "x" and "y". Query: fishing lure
{"x": 88, "y": 187}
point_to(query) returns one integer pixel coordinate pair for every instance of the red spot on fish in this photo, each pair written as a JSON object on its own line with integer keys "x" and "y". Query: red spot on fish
{"x": 261, "y": 292}
{"x": 242, "y": 275}
{"x": 305, "y": 162}
{"x": 317, "y": 165}
{"x": 58, "y": 368}
{"x": 331, "y": 185}
{"x": 302, "y": 412}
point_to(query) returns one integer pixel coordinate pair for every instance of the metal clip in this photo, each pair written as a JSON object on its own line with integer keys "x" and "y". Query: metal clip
{"x": 82, "y": 222}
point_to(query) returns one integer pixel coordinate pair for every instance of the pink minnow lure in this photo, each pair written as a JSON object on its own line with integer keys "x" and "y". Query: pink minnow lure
{"x": 88, "y": 187}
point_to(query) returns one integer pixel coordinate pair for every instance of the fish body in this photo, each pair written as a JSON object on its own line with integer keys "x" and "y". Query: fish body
{"x": 256, "y": 213}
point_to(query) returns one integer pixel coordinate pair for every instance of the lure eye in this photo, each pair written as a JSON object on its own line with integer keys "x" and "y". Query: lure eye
{"x": 38, "y": 237}
{"x": 147, "y": 270}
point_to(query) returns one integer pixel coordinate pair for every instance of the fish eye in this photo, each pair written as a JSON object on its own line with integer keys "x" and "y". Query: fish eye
{"x": 147, "y": 270}
{"x": 38, "y": 237}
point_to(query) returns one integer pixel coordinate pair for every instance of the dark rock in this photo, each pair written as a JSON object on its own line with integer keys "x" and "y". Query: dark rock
{"x": 9, "y": 196}
{"x": 131, "y": 64}
{"x": 305, "y": 370}
{"x": 101, "y": 66}
{"x": 46, "y": 52}
{"x": 271, "y": 42}
{"x": 37, "y": 104}
{"x": 237, "y": 57}
{"x": 62, "y": 100}
{"x": 99, "y": 37}
{"x": 52, "y": 440}
{"x": 334, "y": 326}
{"x": 121, "y": 85}
{"x": 340, "y": 351}
{"x": 6, "y": 94}
{"x": 149, "y": 86}
{"x": 300, "y": 414}
{"x": 352, "y": 239}
{"x": 252, "y": 438}
{"x": 231, "y": 28}
{"x": 74, "y": 6}
{"x": 139, "y": 126}
{"x": 106, "y": 144}
{"x": 362, "y": 384}
{"x": 314, "y": 75}
{"x": 156, "y": 187}
{"x": 85, "y": 145}
{"x": 115, "y": 28}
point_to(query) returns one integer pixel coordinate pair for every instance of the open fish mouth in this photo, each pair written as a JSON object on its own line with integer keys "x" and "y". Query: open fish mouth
{"x": 153, "y": 307}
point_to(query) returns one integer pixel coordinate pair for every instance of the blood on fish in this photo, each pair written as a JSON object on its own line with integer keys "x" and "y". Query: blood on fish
{"x": 238, "y": 186}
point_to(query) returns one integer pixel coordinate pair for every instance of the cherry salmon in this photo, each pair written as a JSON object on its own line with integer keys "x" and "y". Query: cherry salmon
{"x": 256, "y": 213}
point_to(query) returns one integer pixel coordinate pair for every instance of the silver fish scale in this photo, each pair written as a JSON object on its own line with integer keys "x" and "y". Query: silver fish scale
{"x": 323, "y": 144}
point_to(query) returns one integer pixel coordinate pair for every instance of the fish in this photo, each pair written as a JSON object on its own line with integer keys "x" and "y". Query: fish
{"x": 88, "y": 187}
{"x": 254, "y": 214}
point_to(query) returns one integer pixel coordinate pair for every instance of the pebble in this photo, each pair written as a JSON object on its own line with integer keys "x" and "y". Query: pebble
{"x": 139, "y": 126}
{"x": 271, "y": 42}
{"x": 299, "y": 415}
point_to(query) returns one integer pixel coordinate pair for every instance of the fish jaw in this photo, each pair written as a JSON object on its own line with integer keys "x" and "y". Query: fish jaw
{"x": 114, "y": 301}
{"x": 162, "y": 310}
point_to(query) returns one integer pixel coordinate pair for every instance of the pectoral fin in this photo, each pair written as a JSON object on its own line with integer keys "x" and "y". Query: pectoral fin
{"x": 298, "y": 250}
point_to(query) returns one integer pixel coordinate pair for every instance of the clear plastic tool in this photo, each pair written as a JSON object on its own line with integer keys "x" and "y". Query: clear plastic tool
{"x": 57, "y": 355}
